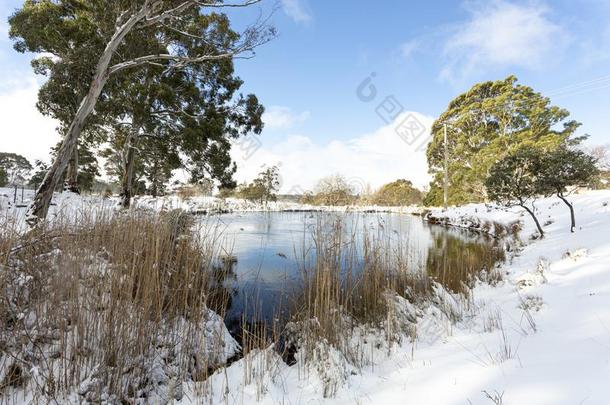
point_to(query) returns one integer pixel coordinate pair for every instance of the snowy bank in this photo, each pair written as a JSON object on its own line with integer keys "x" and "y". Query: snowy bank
{"x": 210, "y": 205}
{"x": 540, "y": 336}
{"x": 14, "y": 207}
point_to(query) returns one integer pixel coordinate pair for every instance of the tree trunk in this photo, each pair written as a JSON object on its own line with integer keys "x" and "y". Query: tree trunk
{"x": 535, "y": 219}
{"x": 40, "y": 206}
{"x": 154, "y": 183}
{"x": 72, "y": 174}
{"x": 572, "y": 217}
{"x": 128, "y": 167}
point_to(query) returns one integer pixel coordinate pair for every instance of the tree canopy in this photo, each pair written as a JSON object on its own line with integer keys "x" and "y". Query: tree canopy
{"x": 562, "y": 169}
{"x": 14, "y": 168}
{"x": 333, "y": 190}
{"x": 397, "y": 193}
{"x": 3, "y": 177}
{"x": 94, "y": 48}
{"x": 486, "y": 123}
{"x": 264, "y": 187}
{"x": 514, "y": 180}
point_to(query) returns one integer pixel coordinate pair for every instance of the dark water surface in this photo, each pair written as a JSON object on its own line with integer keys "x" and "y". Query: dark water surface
{"x": 268, "y": 253}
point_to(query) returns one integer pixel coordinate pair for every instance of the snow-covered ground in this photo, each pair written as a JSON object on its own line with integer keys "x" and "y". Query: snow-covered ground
{"x": 16, "y": 207}
{"x": 541, "y": 336}
{"x": 214, "y": 204}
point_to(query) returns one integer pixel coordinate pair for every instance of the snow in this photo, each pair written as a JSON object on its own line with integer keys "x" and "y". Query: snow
{"x": 73, "y": 205}
{"x": 201, "y": 204}
{"x": 541, "y": 336}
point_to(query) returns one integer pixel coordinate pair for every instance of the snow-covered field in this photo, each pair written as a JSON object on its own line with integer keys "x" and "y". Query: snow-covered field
{"x": 541, "y": 336}
{"x": 214, "y": 204}
{"x": 63, "y": 203}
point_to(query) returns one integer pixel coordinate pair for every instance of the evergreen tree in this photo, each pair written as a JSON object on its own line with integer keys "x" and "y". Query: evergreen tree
{"x": 40, "y": 171}
{"x": 515, "y": 181}
{"x": 488, "y": 122}
{"x": 398, "y": 193}
{"x": 16, "y": 168}
{"x": 3, "y": 177}
{"x": 111, "y": 40}
{"x": 565, "y": 168}
{"x": 264, "y": 187}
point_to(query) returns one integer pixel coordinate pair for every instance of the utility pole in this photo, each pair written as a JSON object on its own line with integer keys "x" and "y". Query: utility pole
{"x": 446, "y": 180}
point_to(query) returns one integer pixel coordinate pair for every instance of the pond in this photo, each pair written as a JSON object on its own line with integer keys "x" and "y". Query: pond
{"x": 268, "y": 254}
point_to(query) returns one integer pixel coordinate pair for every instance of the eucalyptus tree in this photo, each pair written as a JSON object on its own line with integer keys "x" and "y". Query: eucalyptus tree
{"x": 264, "y": 187}
{"x": 182, "y": 119}
{"x": 108, "y": 33}
{"x": 397, "y": 193}
{"x": 515, "y": 181}
{"x": 14, "y": 168}
{"x": 563, "y": 169}
{"x": 486, "y": 123}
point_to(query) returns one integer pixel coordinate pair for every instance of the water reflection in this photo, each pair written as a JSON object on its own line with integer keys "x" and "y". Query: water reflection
{"x": 267, "y": 253}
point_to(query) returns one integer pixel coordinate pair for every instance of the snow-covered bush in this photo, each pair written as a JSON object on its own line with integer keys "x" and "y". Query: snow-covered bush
{"x": 112, "y": 308}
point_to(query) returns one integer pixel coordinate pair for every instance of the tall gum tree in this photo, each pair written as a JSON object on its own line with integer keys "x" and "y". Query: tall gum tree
{"x": 484, "y": 124}
{"x": 153, "y": 16}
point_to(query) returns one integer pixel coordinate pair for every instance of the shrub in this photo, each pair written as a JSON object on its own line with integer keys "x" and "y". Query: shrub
{"x": 398, "y": 193}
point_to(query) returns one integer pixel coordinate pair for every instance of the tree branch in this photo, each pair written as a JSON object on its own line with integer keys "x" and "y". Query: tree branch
{"x": 180, "y": 60}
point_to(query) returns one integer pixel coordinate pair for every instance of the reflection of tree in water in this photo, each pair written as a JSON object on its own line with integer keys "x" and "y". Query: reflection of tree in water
{"x": 454, "y": 259}
{"x": 223, "y": 285}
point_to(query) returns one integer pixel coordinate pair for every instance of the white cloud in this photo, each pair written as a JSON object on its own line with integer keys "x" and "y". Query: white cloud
{"x": 373, "y": 159}
{"x": 408, "y": 48}
{"x": 3, "y": 30}
{"x": 500, "y": 33}
{"x": 23, "y": 129}
{"x": 278, "y": 117}
{"x": 296, "y": 10}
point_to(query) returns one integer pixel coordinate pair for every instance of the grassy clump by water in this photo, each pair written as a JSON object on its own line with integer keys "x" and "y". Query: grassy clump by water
{"x": 363, "y": 293}
{"x": 113, "y": 306}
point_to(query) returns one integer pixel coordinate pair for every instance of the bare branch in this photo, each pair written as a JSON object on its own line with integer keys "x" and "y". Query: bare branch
{"x": 180, "y": 60}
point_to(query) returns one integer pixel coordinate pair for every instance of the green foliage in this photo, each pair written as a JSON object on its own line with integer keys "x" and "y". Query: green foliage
{"x": 251, "y": 192}
{"x": 16, "y": 168}
{"x": 40, "y": 171}
{"x": 225, "y": 192}
{"x": 188, "y": 115}
{"x": 602, "y": 182}
{"x": 398, "y": 193}
{"x": 88, "y": 168}
{"x": 263, "y": 188}
{"x": 515, "y": 180}
{"x": 67, "y": 36}
{"x": 488, "y": 122}
{"x": 563, "y": 168}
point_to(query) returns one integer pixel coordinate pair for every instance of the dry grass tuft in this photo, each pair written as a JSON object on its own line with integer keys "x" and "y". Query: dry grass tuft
{"x": 116, "y": 307}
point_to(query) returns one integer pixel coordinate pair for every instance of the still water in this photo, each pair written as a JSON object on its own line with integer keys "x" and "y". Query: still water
{"x": 269, "y": 252}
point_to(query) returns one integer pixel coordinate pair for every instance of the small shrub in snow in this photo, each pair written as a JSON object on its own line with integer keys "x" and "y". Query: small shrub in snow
{"x": 531, "y": 303}
{"x": 575, "y": 254}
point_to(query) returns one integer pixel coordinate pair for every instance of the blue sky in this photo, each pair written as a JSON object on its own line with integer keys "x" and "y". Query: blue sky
{"x": 421, "y": 53}
{"x": 317, "y": 63}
